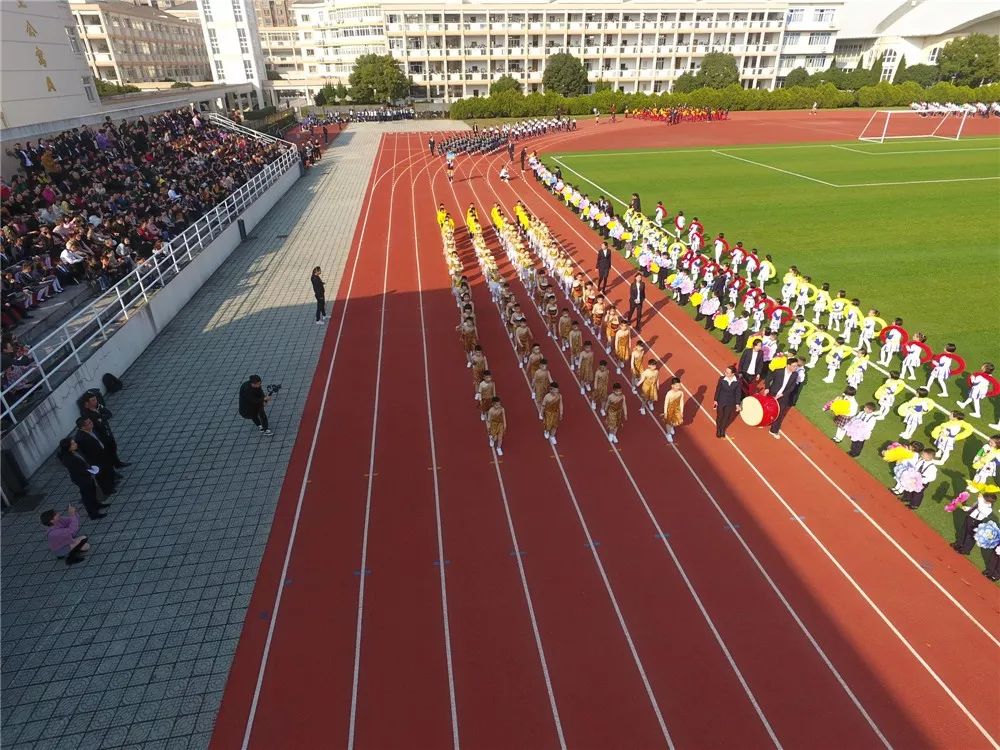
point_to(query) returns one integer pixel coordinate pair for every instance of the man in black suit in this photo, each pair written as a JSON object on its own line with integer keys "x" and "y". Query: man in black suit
{"x": 603, "y": 267}
{"x": 784, "y": 386}
{"x": 636, "y": 297}
{"x": 751, "y": 364}
{"x": 728, "y": 395}
{"x": 92, "y": 408}
{"x": 96, "y": 452}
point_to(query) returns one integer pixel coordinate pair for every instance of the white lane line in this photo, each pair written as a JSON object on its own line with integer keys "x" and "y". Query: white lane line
{"x": 776, "y": 169}
{"x": 371, "y": 472}
{"x": 434, "y": 463}
{"x": 516, "y": 546}
{"x": 292, "y": 535}
{"x": 958, "y": 605}
{"x": 600, "y": 567}
{"x": 956, "y": 150}
{"x": 918, "y": 182}
{"x": 837, "y": 564}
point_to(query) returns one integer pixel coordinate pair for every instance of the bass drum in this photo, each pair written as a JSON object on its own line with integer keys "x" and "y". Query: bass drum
{"x": 759, "y": 410}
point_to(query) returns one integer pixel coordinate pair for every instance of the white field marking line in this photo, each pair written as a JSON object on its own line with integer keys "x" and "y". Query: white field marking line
{"x": 837, "y": 564}
{"x": 600, "y": 567}
{"x": 776, "y": 169}
{"x": 917, "y": 182}
{"x": 826, "y": 660}
{"x": 642, "y": 152}
{"x": 875, "y": 365}
{"x": 371, "y": 467}
{"x": 520, "y": 564}
{"x": 955, "y": 150}
{"x": 669, "y": 548}
{"x": 434, "y": 463}
{"x": 305, "y": 475}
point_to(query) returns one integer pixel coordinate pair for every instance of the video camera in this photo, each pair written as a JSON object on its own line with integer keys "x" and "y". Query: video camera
{"x": 273, "y": 388}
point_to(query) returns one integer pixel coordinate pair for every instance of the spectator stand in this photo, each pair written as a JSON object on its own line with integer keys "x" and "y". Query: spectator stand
{"x": 57, "y": 355}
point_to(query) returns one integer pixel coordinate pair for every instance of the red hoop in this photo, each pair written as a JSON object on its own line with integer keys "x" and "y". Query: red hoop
{"x": 956, "y": 360}
{"x": 906, "y": 334}
{"x": 994, "y": 383}
{"x": 926, "y": 353}
{"x": 739, "y": 282}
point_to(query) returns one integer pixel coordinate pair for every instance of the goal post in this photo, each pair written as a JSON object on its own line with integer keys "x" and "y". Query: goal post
{"x": 938, "y": 122}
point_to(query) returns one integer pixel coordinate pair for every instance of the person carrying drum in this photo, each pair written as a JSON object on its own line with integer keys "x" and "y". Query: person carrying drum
{"x": 783, "y": 386}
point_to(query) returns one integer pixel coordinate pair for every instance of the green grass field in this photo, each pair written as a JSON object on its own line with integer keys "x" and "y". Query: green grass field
{"x": 909, "y": 227}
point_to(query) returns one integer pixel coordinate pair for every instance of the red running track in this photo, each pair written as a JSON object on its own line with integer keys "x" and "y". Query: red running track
{"x": 418, "y": 592}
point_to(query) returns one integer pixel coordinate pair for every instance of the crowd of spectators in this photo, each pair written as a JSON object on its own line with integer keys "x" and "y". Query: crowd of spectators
{"x": 90, "y": 204}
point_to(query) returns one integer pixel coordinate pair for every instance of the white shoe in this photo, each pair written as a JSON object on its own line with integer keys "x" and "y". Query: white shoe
{"x": 611, "y": 438}
{"x": 604, "y": 413}
{"x": 491, "y": 442}
{"x": 552, "y": 440}
{"x": 670, "y": 438}
{"x": 642, "y": 410}
{"x": 827, "y": 380}
{"x": 499, "y": 451}
{"x": 546, "y": 434}
{"x": 468, "y": 364}
{"x": 319, "y": 322}
{"x": 593, "y": 407}
{"x": 539, "y": 416}
{"x": 583, "y": 390}
{"x": 482, "y": 417}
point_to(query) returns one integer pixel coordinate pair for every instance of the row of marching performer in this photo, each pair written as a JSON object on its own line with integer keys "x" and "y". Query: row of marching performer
{"x": 527, "y": 238}
{"x": 491, "y": 410}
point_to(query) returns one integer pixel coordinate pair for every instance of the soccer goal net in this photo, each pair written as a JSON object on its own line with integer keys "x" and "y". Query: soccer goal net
{"x": 937, "y": 122}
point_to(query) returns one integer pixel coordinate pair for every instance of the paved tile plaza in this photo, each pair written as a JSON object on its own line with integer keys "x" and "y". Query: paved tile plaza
{"x": 131, "y": 648}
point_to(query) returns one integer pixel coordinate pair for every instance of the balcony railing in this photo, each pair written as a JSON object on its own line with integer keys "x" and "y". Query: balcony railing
{"x": 57, "y": 355}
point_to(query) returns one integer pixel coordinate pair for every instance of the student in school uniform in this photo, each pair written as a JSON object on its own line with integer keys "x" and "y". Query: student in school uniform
{"x": 860, "y": 427}
{"x": 924, "y": 465}
{"x": 912, "y": 352}
{"x": 891, "y": 343}
{"x": 914, "y": 411}
{"x": 941, "y": 370}
{"x": 966, "y": 539}
{"x": 979, "y": 387}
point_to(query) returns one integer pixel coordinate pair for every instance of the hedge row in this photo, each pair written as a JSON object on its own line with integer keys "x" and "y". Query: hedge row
{"x": 259, "y": 114}
{"x": 514, "y": 104}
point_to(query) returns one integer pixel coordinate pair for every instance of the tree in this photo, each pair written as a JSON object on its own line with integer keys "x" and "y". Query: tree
{"x": 180, "y": 85}
{"x": 685, "y": 84}
{"x": 718, "y": 70}
{"x": 564, "y": 74}
{"x": 897, "y": 77}
{"x": 875, "y": 74}
{"x": 972, "y": 61}
{"x": 796, "y": 77}
{"x": 505, "y": 83}
{"x": 601, "y": 85}
{"x": 340, "y": 92}
{"x": 925, "y": 75}
{"x": 378, "y": 78}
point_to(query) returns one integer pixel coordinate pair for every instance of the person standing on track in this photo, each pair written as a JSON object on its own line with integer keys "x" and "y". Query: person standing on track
{"x": 319, "y": 290}
{"x": 430, "y": 145}
{"x": 496, "y": 425}
{"x": 524, "y": 156}
{"x": 728, "y": 395}
{"x": 673, "y": 408}
{"x": 603, "y": 267}
{"x": 783, "y": 385}
{"x": 636, "y": 298}
{"x": 552, "y": 412}
{"x": 616, "y": 413}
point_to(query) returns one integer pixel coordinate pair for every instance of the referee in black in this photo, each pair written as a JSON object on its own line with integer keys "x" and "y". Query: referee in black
{"x": 319, "y": 290}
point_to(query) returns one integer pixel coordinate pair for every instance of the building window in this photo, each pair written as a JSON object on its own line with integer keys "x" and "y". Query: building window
{"x": 792, "y": 39}
{"x": 220, "y": 72}
{"x": 821, "y": 39}
{"x": 88, "y": 89}
{"x": 887, "y": 74}
{"x": 248, "y": 69}
{"x": 244, "y": 45}
{"x": 796, "y": 14}
{"x": 824, "y": 15}
{"x": 933, "y": 57}
{"x": 74, "y": 43}
{"x": 206, "y": 8}
{"x": 213, "y": 41}
{"x": 238, "y": 11}
{"x": 305, "y": 18}
{"x": 815, "y": 61}
{"x": 890, "y": 57}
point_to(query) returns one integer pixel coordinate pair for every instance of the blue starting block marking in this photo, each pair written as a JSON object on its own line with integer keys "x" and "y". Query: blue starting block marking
{"x": 927, "y": 565}
{"x": 266, "y": 615}
{"x": 732, "y": 527}
{"x": 798, "y": 518}
{"x": 595, "y": 545}
{"x": 517, "y": 553}
{"x": 365, "y": 572}
{"x": 664, "y": 537}
{"x": 288, "y": 582}
{"x": 446, "y": 562}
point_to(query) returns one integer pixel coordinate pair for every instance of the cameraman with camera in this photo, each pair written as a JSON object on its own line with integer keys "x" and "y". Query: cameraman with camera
{"x": 252, "y": 402}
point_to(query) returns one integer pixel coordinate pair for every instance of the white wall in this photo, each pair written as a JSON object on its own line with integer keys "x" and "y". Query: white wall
{"x": 37, "y": 436}
{"x": 41, "y": 76}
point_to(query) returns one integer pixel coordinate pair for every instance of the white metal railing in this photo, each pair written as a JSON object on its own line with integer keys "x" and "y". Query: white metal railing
{"x": 62, "y": 351}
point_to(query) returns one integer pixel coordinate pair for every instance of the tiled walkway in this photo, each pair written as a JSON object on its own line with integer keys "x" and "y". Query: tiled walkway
{"x": 132, "y": 647}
